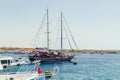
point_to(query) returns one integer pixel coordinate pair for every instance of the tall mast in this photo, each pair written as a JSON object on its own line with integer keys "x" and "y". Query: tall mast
{"x": 47, "y": 29}
{"x": 61, "y": 33}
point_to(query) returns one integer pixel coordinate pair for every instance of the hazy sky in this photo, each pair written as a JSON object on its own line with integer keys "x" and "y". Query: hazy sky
{"x": 95, "y": 24}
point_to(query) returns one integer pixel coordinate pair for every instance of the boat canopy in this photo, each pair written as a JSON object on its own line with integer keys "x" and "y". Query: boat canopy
{"x": 6, "y": 58}
{"x": 39, "y": 48}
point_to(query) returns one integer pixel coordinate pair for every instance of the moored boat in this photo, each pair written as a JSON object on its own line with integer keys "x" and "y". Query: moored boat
{"x": 47, "y": 55}
{"x": 6, "y": 61}
{"x": 31, "y": 73}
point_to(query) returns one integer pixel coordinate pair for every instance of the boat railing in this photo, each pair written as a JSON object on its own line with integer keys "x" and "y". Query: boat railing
{"x": 31, "y": 69}
{"x": 56, "y": 70}
{"x": 55, "y": 73}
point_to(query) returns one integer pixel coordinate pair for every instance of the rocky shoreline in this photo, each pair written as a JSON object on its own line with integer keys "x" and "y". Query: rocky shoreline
{"x": 28, "y": 50}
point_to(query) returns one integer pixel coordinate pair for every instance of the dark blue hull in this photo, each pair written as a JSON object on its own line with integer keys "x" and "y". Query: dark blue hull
{"x": 50, "y": 60}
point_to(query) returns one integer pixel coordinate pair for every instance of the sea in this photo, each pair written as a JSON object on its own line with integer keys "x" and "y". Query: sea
{"x": 88, "y": 67}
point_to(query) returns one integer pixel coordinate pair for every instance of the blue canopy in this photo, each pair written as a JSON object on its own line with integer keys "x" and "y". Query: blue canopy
{"x": 39, "y": 48}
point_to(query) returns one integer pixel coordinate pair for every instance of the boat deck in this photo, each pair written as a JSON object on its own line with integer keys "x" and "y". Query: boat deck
{"x": 20, "y": 76}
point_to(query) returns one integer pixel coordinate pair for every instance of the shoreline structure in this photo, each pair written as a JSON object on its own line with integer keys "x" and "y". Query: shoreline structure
{"x": 28, "y": 50}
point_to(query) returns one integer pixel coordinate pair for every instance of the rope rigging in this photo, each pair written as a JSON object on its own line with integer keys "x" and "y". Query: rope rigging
{"x": 37, "y": 35}
{"x": 70, "y": 32}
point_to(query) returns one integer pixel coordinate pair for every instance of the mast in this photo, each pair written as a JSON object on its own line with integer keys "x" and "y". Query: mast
{"x": 47, "y": 29}
{"x": 61, "y": 34}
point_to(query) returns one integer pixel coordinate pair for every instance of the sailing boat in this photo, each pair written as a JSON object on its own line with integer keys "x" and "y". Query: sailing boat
{"x": 51, "y": 56}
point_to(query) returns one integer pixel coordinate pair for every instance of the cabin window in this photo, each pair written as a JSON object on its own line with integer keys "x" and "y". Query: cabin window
{"x": 8, "y": 62}
{"x": 3, "y": 61}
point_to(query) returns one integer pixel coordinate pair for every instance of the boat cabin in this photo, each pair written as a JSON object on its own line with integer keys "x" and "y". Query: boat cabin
{"x": 5, "y": 60}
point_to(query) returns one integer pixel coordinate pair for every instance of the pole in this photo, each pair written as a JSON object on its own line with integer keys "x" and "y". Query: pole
{"x": 47, "y": 29}
{"x": 61, "y": 34}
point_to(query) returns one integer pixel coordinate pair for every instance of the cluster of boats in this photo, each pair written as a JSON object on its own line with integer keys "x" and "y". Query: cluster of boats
{"x": 7, "y": 64}
{"x": 32, "y": 73}
{"x": 36, "y": 57}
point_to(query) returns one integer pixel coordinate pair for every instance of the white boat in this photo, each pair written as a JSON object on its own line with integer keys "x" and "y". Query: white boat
{"x": 9, "y": 61}
{"x": 30, "y": 74}
{"x": 21, "y": 77}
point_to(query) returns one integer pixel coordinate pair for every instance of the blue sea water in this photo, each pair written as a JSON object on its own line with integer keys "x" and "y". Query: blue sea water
{"x": 89, "y": 67}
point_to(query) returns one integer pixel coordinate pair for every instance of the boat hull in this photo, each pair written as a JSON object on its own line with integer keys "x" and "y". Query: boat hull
{"x": 55, "y": 59}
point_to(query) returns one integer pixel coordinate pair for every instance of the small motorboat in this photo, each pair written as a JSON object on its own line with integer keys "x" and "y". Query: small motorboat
{"x": 6, "y": 61}
{"x": 74, "y": 62}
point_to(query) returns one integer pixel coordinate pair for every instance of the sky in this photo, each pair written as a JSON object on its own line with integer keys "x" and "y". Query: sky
{"x": 95, "y": 24}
